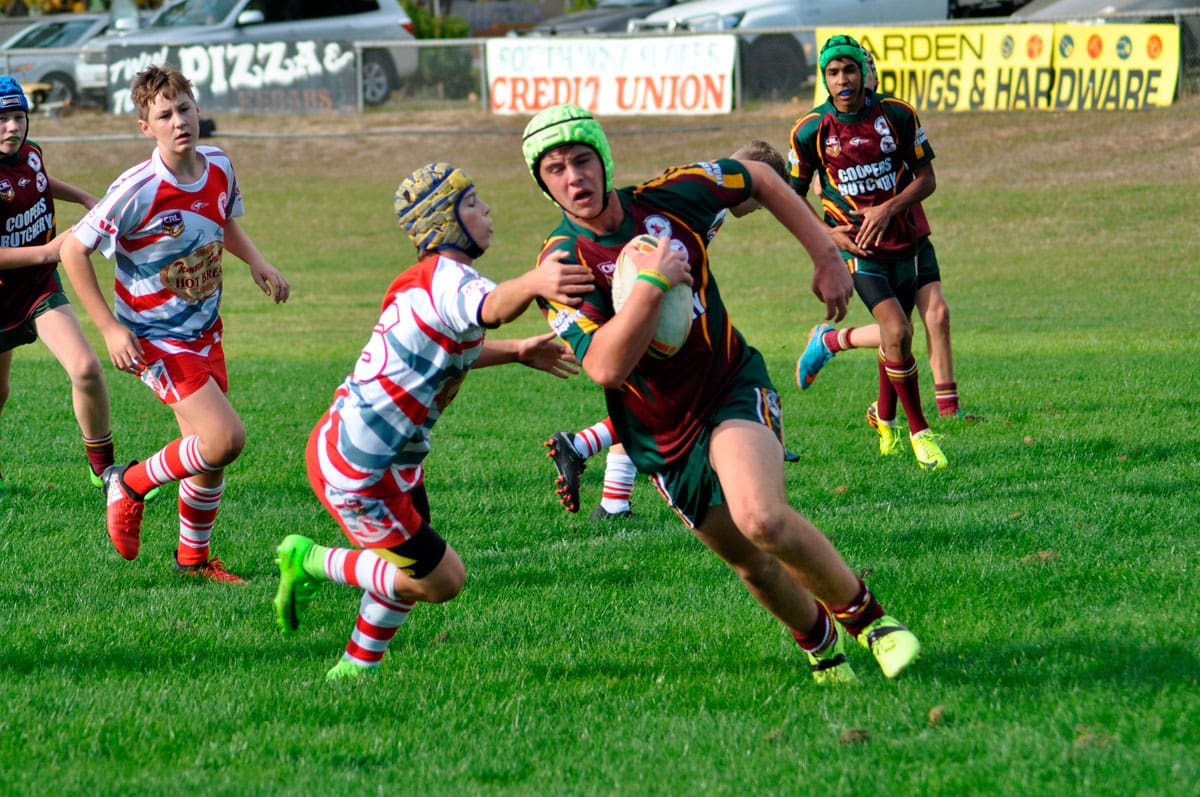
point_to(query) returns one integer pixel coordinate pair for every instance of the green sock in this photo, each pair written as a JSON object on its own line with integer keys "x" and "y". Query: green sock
{"x": 314, "y": 562}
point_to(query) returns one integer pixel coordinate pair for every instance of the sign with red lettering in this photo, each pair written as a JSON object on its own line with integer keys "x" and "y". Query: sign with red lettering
{"x": 644, "y": 75}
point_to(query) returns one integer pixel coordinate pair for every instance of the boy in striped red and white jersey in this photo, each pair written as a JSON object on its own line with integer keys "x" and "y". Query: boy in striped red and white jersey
{"x": 365, "y": 454}
{"x": 166, "y": 223}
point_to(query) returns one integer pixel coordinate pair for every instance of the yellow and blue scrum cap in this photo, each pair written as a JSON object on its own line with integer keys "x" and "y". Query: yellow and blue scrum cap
{"x": 427, "y": 203}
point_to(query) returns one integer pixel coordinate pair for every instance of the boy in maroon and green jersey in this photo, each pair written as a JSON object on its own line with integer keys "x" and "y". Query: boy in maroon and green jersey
{"x": 704, "y": 423}
{"x": 874, "y": 164}
{"x": 668, "y": 401}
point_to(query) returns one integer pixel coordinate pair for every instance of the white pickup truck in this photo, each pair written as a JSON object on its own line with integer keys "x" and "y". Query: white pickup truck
{"x": 777, "y": 61}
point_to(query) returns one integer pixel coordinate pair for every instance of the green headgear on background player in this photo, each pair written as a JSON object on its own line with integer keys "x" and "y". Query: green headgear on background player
{"x": 12, "y": 98}
{"x": 427, "y": 206}
{"x": 565, "y": 124}
{"x": 841, "y": 47}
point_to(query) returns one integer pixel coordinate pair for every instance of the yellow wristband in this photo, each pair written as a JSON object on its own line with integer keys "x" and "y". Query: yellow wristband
{"x": 655, "y": 278}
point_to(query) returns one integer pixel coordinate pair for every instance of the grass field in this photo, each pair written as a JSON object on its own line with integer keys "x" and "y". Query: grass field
{"x": 1049, "y": 571}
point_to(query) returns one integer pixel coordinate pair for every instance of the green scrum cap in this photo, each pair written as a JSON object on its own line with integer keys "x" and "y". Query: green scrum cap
{"x": 427, "y": 203}
{"x": 842, "y": 47}
{"x": 564, "y": 124}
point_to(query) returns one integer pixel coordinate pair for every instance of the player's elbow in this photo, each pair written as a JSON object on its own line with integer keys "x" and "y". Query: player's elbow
{"x": 605, "y": 376}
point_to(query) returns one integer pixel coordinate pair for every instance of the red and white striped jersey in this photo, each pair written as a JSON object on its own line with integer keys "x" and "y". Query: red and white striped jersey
{"x": 428, "y": 336}
{"x": 167, "y": 240}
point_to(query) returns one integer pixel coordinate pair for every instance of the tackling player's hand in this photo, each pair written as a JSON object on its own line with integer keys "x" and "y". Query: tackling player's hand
{"x": 546, "y": 353}
{"x": 561, "y": 282}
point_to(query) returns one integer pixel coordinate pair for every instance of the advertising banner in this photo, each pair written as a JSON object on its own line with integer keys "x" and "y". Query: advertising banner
{"x": 1114, "y": 67}
{"x": 1018, "y": 67}
{"x": 261, "y": 77}
{"x": 661, "y": 75}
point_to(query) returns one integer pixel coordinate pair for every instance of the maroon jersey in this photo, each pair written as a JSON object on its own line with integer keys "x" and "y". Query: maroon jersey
{"x": 863, "y": 159}
{"x": 27, "y": 208}
{"x": 665, "y": 403}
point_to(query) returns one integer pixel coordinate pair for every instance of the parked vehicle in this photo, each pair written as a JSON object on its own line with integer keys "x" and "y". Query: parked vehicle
{"x": 58, "y": 34}
{"x": 608, "y": 16}
{"x": 779, "y": 63}
{"x": 240, "y": 21}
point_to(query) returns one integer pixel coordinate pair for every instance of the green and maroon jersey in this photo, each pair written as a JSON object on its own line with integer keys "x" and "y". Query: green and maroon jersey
{"x": 664, "y": 404}
{"x": 862, "y": 159}
{"x": 27, "y": 211}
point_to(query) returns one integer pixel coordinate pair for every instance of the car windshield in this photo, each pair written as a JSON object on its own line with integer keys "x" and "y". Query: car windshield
{"x": 194, "y": 12}
{"x": 52, "y": 34}
{"x": 624, "y": 3}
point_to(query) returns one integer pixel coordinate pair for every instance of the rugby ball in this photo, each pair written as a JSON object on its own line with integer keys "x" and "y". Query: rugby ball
{"x": 675, "y": 314}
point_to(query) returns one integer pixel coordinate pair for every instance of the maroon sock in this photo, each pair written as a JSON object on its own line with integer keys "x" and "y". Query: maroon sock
{"x": 860, "y": 612}
{"x": 947, "y": 398}
{"x": 99, "y": 452}
{"x": 820, "y": 636}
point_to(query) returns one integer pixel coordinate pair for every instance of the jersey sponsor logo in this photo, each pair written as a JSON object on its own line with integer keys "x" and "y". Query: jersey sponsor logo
{"x": 35, "y": 161}
{"x": 713, "y": 171}
{"x": 920, "y": 139}
{"x": 199, "y": 205}
{"x": 859, "y": 141}
{"x": 881, "y": 126}
{"x": 172, "y": 224}
{"x": 887, "y": 145}
{"x": 658, "y": 226}
{"x": 222, "y": 200}
{"x": 24, "y": 181}
{"x": 833, "y": 146}
{"x": 563, "y": 319}
{"x": 7, "y": 192}
{"x": 42, "y": 182}
{"x": 195, "y": 276}
{"x": 28, "y": 227}
{"x": 866, "y": 178}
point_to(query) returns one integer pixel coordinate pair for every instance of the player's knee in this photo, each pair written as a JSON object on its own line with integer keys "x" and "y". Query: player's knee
{"x": 446, "y": 580}
{"x": 86, "y": 374}
{"x": 221, "y": 446}
{"x": 766, "y": 526}
{"x": 937, "y": 317}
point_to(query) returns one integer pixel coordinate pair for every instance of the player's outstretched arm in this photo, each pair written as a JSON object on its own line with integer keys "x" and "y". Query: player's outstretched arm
{"x": 553, "y": 279}
{"x": 268, "y": 278}
{"x": 831, "y": 281}
{"x": 69, "y": 193}
{"x": 543, "y": 352}
{"x": 21, "y": 256}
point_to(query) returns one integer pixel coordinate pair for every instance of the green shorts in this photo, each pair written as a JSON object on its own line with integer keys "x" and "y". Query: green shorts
{"x": 692, "y": 487}
{"x": 927, "y": 263}
{"x": 26, "y": 332}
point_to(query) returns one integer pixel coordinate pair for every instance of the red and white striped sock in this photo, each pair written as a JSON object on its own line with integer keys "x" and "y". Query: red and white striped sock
{"x": 176, "y": 460}
{"x": 197, "y": 512}
{"x": 358, "y": 568}
{"x": 594, "y": 439}
{"x": 378, "y": 621}
{"x": 619, "y": 475}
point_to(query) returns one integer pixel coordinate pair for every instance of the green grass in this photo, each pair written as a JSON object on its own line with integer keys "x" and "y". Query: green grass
{"x": 1049, "y": 571}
